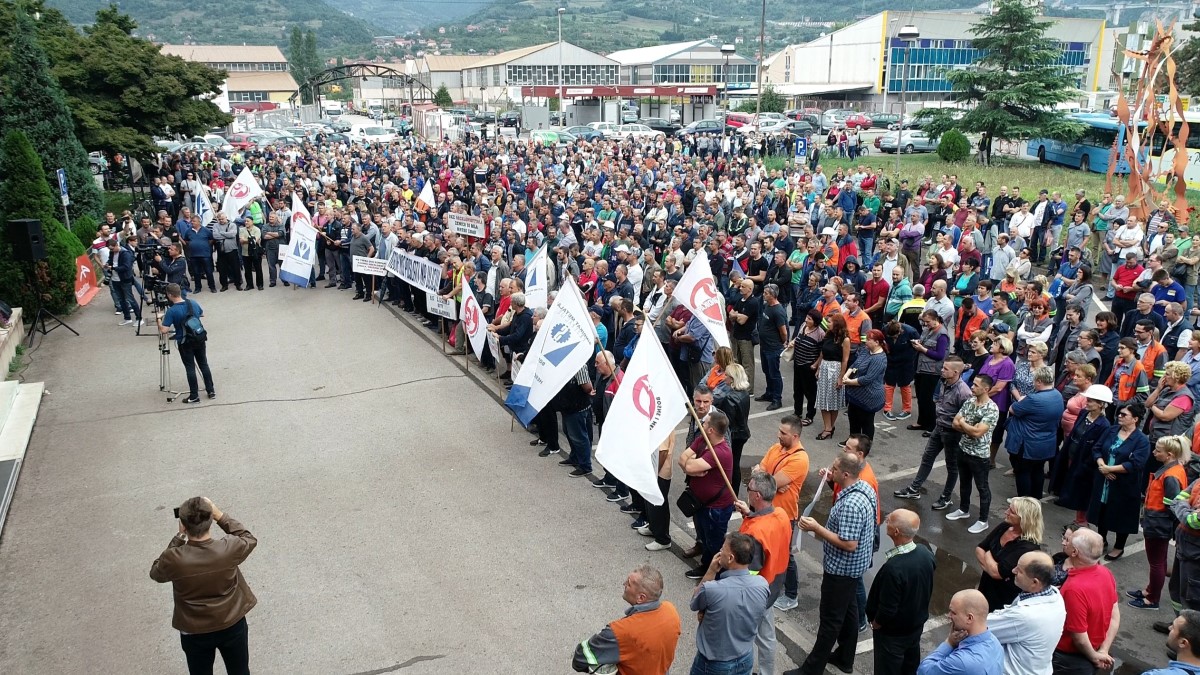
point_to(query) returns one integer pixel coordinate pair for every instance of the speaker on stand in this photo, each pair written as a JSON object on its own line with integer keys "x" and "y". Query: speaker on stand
{"x": 29, "y": 246}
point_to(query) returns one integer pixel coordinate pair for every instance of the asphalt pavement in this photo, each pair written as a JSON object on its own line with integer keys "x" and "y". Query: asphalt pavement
{"x": 404, "y": 523}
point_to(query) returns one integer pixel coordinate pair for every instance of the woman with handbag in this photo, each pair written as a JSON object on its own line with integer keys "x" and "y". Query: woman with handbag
{"x": 864, "y": 384}
{"x": 806, "y": 348}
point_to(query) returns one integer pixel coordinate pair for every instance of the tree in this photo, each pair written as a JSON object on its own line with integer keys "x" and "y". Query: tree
{"x": 442, "y": 98}
{"x": 953, "y": 146}
{"x": 1187, "y": 60}
{"x": 772, "y": 101}
{"x": 25, "y": 193}
{"x": 304, "y": 60}
{"x": 122, "y": 91}
{"x": 33, "y": 102}
{"x": 1013, "y": 90}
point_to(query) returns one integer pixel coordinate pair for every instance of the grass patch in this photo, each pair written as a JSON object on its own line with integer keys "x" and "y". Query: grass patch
{"x": 117, "y": 202}
{"x": 1029, "y": 176}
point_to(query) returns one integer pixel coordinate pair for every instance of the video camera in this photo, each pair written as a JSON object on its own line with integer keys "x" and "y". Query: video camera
{"x": 153, "y": 284}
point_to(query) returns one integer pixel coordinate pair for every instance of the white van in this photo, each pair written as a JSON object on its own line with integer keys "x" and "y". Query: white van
{"x": 332, "y": 109}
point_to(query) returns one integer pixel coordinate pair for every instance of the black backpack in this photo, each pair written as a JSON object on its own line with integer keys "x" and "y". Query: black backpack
{"x": 193, "y": 331}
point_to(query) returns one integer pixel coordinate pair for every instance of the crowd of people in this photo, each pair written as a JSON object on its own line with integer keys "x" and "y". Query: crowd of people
{"x": 1060, "y": 332}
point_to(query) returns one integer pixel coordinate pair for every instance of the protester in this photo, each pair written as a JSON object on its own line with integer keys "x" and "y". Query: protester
{"x": 1029, "y": 628}
{"x": 898, "y": 604}
{"x": 1093, "y": 611}
{"x": 999, "y": 552}
{"x": 970, "y": 648}
{"x": 644, "y": 640}
{"x": 731, "y": 603}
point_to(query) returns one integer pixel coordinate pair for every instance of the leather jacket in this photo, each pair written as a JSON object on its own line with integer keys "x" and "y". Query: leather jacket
{"x": 210, "y": 592}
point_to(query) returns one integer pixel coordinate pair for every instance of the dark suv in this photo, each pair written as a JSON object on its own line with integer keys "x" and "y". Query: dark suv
{"x": 511, "y": 118}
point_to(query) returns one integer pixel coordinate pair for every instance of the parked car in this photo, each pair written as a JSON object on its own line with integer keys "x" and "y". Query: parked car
{"x": 335, "y": 137}
{"x": 552, "y": 137}
{"x": 738, "y": 120}
{"x": 908, "y": 142}
{"x": 97, "y": 163}
{"x": 606, "y": 128}
{"x": 245, "y": 141}
{"x": 373, "y": 134}
{"x": 659, "y": 124}
{"x": 771, "y": 117}
{"x": 712, "y": 127}
{"x": 585, "y": 132}
{"x": 881, "y": 120}
{"x": 857, "y": 121}
{"x": 217, "y": 142}
{"x": 629, "y": 115}
{"x": 676, "y": 116}
{"x": 637, "y": 131}
{"x": 766, "y": 127}
{"x": 510, "y": 118}
{"x": 834, "y": 118}
{"x": 799, "y": 128}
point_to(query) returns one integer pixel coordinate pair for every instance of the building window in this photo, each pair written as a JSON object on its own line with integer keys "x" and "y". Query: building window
{"x": 247, "y": 96}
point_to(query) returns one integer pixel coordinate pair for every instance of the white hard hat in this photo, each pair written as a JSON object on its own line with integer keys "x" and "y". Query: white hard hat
{"x": 1099, "y": 392}
{"x": 829, "y": 232}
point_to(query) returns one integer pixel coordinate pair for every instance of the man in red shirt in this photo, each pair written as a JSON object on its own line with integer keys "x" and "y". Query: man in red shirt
{"x": 875, "y": 293}
{"x": 1093, "y": 615}
{"x": 1124, "y": 280}
{"x": 707, "y": 484}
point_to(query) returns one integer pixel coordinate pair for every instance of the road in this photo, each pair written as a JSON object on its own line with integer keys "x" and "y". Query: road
{"x": 400, "y": 518}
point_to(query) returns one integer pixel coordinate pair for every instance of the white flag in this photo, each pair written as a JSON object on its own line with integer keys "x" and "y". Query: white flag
{"x": 426, "y": 197}
{"x": 243, "y": 191}
{"x": 204, "y": 208}
{"x": 644, "y": 412}
{"x": 537, "y": 281}
{"x": 473, "y": 321}
{"x": 698, "y": 292}
{"x": 564, "y": 344}
{"x": 301, "y": 254}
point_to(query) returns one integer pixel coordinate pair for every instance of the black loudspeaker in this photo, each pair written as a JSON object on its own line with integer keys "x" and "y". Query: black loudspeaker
{"x": 25, "y": 235}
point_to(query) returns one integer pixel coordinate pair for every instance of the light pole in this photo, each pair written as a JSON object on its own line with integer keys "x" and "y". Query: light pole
{"x": 762, "y": 55}
{"x": 561, "y": 108}
{"x": 909, "y": 34}
{"x": 727, "y": 50}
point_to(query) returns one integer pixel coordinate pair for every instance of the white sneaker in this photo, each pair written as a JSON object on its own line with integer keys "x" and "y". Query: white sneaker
{"x": 784, "y": 603}
{"x": 655, "y": 546}
{"x": 645, "y": 531}
{"x": 958, "y": 514}
{"x": 126, "y": 322}
{"x": 978, "y": 527}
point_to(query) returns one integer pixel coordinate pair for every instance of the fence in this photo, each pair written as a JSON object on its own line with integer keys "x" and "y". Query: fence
{"x": 269, "y": 119}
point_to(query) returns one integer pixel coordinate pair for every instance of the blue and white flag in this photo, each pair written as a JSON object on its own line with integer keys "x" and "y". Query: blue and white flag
{"x": 204, "y": 208}
{"x": 297, "y": 264}
{"x": 562, "y": 346}
{"x": 537, "y": 281}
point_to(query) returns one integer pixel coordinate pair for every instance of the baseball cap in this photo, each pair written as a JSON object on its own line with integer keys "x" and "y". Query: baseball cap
{"x": 610, "y": 277}
{"x": 1000, "y": 327}
{"x": 622, "y": 249}
{"x": 598, "y": 310}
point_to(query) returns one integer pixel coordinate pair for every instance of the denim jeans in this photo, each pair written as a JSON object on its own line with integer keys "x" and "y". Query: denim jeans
{"x": 711, "y": 526}
{"x": 128, "y": 302}
{"x": 233, "y": 642}
{"x": 578, "y": 426}
{"x": 866, "y": 246}
{"x": 791, "y": 577}
{"x": 193, "y": 357}
{"x": 942, "y": 441}
{"x": 738, "y": 666}
{"x": 770, "y": 367}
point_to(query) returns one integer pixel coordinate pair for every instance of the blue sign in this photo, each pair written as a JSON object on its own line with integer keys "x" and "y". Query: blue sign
{"x": 801, "y": 149}
{"x": 62, "y": 186}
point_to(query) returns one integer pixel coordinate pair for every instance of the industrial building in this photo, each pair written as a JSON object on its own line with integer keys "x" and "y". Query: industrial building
{"x": 257, "y": 75}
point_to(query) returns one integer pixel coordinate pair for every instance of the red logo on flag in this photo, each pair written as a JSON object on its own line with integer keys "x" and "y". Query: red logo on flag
{"x": 470, "y": 316}
{"x": 704, "y": 298}
{"x": 239, "y": 190}
{"x": 86, "y": 285}
{"x": 301, "y": 217}
{"x": 643, "y": 397}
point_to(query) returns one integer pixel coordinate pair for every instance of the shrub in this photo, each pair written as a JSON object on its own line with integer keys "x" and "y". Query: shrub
{"x": 25, "y": 193}
{"x": 954, "y": 146}
{"x": 85, "y": 230}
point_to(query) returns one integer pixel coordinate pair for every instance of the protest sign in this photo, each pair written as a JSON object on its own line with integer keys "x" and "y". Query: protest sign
{"x": 466, "y": 225}
{"x": 441, "y": 307}
{"x": 376, "y": 267}
{"x": 420, "y": 272}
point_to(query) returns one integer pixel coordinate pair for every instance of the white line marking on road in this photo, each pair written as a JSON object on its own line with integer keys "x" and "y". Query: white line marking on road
{"x": 904, "y": 473}
{"x": 868, "y": 645}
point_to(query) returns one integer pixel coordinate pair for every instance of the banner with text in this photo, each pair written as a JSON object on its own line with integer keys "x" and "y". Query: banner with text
{"x": 466, "y": 225}
{"x": 420, "y": 272}
{"x": 376, "y": 267}
{"x": 441, "y": 307}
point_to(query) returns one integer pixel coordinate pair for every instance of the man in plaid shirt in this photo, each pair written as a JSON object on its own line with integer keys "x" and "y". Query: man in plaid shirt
{"x": 847, "y": 539}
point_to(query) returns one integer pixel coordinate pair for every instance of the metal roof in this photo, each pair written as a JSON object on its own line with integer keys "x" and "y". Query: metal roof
{"x": 261, "y": 81}
{"x": 629, "y": 57}
{"x": 439, "y": 63}
{"x": 510, "y": 55}
{"x": 226, "y": 53}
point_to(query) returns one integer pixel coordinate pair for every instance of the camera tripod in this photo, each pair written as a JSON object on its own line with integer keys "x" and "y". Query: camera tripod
{"x": 164, "y": 361}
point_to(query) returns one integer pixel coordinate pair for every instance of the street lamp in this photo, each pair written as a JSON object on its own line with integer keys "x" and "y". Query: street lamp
{"x": 561, "y": 107}
{"x": 908, "y": 34}
{"x": 727, "y": 50}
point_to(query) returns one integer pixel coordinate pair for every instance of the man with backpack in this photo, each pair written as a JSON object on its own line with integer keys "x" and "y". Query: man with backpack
{"x": 191, "y": 339}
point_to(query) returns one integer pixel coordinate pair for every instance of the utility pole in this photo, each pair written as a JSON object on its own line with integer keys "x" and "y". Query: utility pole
{"x": 762, "y": 55}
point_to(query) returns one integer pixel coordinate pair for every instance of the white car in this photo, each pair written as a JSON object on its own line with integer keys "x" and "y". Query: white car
{"x": 609, "y": 129}
{"x": 373, "y": 134}
{"x": 637, "y": 131}
{"x": 218, "y": 142}
{"x": 771, "y": 117}
{"x": 768, "y": 126}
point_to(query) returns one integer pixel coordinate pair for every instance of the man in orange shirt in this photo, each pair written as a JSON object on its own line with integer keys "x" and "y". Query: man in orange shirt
{"x": 787, "y": 463}
{"x": 644, "y": 640}
{"x": 772, "y": 531}
{"x": 860, "y": 445}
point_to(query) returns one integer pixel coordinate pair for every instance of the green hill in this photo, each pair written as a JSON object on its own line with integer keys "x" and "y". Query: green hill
{"x": 224, "y": 22}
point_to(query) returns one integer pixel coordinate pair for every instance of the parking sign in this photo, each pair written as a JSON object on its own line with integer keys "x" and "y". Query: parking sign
{"x": 801, "y": 149}
{"x": 62, "y": 186}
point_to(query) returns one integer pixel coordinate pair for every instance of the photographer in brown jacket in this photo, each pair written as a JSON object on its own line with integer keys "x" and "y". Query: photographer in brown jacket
{"x": 211, "y": 596}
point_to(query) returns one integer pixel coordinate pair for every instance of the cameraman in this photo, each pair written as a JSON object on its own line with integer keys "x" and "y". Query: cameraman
{"x": 211, "y": 596}
{"x": 121, "y": 257}
{"x": 192, "y": 353}
{"x": 174, "y": 269}
{"x": 250, "y": 239}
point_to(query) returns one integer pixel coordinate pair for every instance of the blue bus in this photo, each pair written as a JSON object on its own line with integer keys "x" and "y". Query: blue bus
{"x": 1094, "y": 148}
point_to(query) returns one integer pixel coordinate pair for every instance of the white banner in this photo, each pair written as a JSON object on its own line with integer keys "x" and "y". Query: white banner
{"x": 301, "y": 256}
{"x": 376, "y": 267}
{"x": 440, "y": 307}
{"x": 537, "y": 281}
{"x": 644, "y": 412}
{"x": 564, "y": 344}
{"x": 466, "y": 225}
{"x": 698, "y": 292}
{"x": 474, "y": 323}
{"x": 425, "y": 200}
{"x": 243, "y": 190}
{"x": 423, "y": 273}
{"x": 204, "y": 208}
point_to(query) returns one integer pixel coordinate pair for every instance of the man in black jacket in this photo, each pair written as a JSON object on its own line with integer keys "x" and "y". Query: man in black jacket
{"x": 174, "y": 269}
{"x": 517, "y": 336}
{"x": 898, "y": 604}
{"x": 121, "y": 259}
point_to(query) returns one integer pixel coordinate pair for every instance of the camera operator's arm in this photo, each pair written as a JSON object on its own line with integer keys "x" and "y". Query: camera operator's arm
{"x": 160, "y": 570}
{"x": 240, "y": 542}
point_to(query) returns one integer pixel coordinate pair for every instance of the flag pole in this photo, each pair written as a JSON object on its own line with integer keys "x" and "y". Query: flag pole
{"x": 373, "y": 289}
{"x": 717, "y": 460}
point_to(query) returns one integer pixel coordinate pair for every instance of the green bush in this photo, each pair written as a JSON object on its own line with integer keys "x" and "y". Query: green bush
{"x": 85, "y": 230}
{"x": 954, "y": 146}
{"x": 25, "y": 193}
